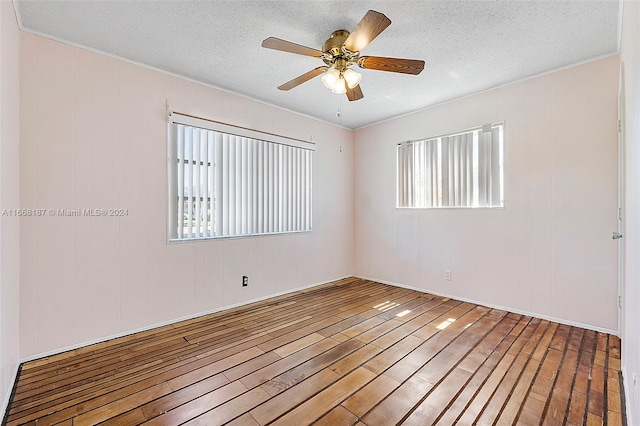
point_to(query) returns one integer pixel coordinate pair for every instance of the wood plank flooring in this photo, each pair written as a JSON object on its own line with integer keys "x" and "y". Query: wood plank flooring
{"x": 353, "y": 352}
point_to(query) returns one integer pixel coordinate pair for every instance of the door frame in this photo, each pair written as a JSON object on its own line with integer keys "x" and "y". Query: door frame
{"x": 621, "y": 195}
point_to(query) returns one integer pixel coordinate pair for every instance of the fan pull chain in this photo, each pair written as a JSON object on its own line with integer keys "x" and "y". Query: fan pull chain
{"x": 339, "y": 115}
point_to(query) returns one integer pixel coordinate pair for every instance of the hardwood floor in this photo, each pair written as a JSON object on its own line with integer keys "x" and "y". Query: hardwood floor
{"x": 346, "y": 353}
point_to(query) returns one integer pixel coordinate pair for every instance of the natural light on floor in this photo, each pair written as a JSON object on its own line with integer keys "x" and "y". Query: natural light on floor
{"x": 386, "y": 306}
{"x": 445, "y": 324}
{"x": 403, "y": 313}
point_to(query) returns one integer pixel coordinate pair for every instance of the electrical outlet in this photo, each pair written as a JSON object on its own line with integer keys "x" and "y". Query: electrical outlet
{"x": 245, "y": 281}
{"x": 447, "y": 275}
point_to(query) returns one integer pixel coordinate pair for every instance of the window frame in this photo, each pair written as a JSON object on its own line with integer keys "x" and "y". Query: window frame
{"x": 501, "y": 165}
{"x": 175, "y": 118}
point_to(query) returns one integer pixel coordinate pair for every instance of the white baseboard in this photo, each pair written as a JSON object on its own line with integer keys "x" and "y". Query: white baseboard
{"x": 222, "y": 308}
{"x": 172, "y": 321}
{"x": 9, "y": 393}
{"x": 502, "y": 308}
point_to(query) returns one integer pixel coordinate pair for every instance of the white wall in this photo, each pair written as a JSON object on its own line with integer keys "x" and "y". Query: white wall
{"x": 630, "y": 57}
{"x": 9, "y": 199}
{"x": 93, "y": 135}
{"x": 549, "y": 251}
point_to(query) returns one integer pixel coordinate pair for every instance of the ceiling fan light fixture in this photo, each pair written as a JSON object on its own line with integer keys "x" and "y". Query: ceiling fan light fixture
{"x": 352, "y": 77}
{"x": 342, "y": 50}
{"x": 337, "y": 81}
{"x": 334, "y": 81}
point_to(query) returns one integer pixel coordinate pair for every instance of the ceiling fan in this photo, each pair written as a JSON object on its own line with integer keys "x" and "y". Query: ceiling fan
{"x": 342, "y": 50}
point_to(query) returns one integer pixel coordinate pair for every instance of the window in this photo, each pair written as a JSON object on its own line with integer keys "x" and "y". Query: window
{"x": 227, "y": 181}
{"x": 463, "y": 169}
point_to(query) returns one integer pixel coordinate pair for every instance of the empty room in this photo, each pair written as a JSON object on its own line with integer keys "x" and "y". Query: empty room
{"x": 327, "y": 212}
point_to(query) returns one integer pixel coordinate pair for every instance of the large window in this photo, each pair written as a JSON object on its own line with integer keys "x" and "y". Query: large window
{"x": 463, "y": 169}
{"x": 226, "y": 181}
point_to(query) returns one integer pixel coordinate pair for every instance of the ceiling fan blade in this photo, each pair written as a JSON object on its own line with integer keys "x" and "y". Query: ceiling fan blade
{"x": 287, "y": 46}
{"x": 405, "y": 66}
{"x": 355, "y": 93}
{"x": 302, "y": 78}
{"x": 369, "y": 27}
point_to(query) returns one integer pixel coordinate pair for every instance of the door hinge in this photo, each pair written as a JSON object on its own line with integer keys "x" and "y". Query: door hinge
{"x": 619, "y": 302}
{"x": 619, "y": 126}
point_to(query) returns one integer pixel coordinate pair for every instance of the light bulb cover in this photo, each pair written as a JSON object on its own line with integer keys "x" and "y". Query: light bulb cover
{"x": 339, "y": 86}
{"x": 351, "y": 77}
{"x": 330, "y": 78}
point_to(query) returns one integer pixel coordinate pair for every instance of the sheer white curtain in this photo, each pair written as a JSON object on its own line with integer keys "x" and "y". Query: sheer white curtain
{"x": 223, "y": 185}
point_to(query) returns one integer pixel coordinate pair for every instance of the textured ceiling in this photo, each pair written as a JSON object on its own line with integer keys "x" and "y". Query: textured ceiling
{"x": 468, "y": 46}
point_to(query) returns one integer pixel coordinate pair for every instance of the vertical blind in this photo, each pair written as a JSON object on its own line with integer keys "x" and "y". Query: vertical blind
{"x": 225, "y": 185}
{"x": 457, "y": 170}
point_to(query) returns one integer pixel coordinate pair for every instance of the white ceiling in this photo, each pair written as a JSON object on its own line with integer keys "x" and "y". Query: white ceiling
{"x": 468, "y": 46}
